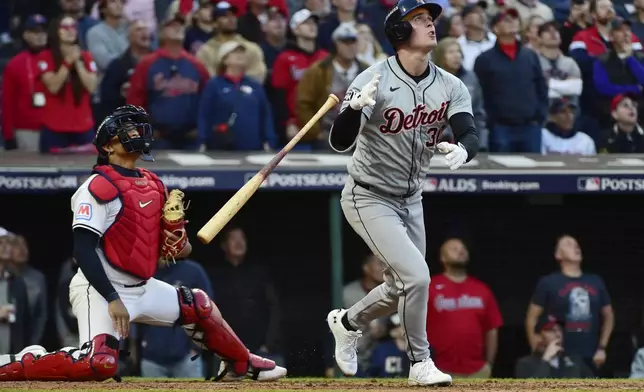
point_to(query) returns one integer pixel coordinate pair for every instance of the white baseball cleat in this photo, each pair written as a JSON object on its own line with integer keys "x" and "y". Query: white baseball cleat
{"x": 346, "y": 342}
{"x": 226, "y": 375}
{"x": 426, "y": 373}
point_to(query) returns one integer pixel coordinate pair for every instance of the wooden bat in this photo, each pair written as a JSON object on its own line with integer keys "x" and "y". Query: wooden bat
{"x": 232, "y": 206}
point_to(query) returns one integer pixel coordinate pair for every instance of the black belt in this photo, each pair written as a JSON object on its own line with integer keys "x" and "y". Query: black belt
{"x": 376, "y": 190}
{"x": 129, "y": 286}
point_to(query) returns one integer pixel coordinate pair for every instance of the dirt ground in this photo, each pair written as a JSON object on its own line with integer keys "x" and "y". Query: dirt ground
{"x": 330, "y": 385}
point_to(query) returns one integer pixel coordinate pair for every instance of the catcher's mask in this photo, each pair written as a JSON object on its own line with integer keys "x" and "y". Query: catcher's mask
{"x": 121, "y": 123}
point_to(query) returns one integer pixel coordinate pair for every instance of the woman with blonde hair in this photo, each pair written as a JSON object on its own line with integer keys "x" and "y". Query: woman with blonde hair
{"x": 369, "y": 49}
{"x": 449, "y": 56}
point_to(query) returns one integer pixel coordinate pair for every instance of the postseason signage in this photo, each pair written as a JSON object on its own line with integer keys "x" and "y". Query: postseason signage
{"x": 486, "y": 174}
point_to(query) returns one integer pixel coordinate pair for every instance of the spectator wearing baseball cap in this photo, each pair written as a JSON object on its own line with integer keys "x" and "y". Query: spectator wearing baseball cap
{"x": 561, "y": 72}
{"x": 234, "y": 112}
{"x": 550, "y": 360}
{"x": 515, "y": 93}
{"x": 560, "y": 137}
{"x": 23, "y": 95}
{"x": 477, "y": 37}
{"x": 626, "y": 136}
{"x": 226, "y": 25}
{"x": 333, "y": 75}
{"x": 289, "y": 67}
{"x": 618, "y": 71}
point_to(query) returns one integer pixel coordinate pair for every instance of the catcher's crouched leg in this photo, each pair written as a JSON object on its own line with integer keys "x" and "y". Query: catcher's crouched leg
{"x": 203, "y": 322}
{"x": 97, "y": 360}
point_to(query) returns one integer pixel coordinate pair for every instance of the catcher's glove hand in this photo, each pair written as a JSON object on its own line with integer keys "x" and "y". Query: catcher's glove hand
{"x": 173, "y": 221}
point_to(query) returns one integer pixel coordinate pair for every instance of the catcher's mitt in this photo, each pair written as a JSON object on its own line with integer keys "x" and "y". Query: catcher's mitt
{"x": 173, "y": 221}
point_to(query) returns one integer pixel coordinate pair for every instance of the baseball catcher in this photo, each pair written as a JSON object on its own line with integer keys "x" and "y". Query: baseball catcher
{"x": 125, "y": 222}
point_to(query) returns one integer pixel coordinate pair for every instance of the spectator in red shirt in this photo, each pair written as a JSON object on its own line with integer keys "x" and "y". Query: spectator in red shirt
{"x": 463, "y": 317}
{"x": 290, "y": 66}
{"x": 69, "y": 76}
{"x": 22, "y": 93}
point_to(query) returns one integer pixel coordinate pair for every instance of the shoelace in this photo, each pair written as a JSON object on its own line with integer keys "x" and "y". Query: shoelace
{"x": 352, "y": 340}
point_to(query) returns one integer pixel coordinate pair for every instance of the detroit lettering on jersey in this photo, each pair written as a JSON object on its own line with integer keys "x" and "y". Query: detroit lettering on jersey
{"x": 400, "y": 132}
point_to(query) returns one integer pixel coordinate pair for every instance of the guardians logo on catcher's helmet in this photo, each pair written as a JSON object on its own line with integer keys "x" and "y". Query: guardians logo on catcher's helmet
{"x": 121, "y": 123}
{"x": 399, "y": 31}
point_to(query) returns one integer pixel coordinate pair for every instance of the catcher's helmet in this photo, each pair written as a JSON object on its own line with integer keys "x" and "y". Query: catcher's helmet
{"x": 399, "y": 31}
{"x": 123, "y": 120}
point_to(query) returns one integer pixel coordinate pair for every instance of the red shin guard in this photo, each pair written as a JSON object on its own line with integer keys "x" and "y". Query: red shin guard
{"x": 203, "y": 322}
{"x": 99, "y": 363}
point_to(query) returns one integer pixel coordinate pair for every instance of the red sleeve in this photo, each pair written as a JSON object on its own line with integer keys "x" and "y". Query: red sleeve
{"x": 634, "y": 38}
{"x": 89, "y": 62}
{"x": 205, "y": 75}
{"x": 46, "y": 63}
{"x": 137, "y": 94}
{"x": 241, "y": 6}
{"x": 281, "y": 76}
{"x": 7, "y": 103}
{"x": 493, "y": 319}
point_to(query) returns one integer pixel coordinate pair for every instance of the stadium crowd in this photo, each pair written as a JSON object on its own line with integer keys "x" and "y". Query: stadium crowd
{"x": 553, "y": 77}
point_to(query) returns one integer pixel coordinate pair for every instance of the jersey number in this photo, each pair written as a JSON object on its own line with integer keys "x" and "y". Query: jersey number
{"x": 434, "y": 135}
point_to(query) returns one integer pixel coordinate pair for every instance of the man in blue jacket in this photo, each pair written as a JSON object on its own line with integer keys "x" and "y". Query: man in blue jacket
{"x": 514, "y": 89}
{"x": 234, "y": 113}
{"x": 167, "y": 352}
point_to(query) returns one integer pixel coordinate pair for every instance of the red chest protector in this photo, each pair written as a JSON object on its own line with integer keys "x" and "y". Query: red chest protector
{"x": 131, "y": 243}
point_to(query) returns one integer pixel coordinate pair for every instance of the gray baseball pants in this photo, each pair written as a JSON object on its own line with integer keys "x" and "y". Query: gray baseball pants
{"x": 394, "y": 230}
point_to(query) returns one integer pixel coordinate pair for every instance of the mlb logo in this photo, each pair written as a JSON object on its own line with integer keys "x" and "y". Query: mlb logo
{"x": 589, "y": 184}
{"x": 84, "y": 212}
{"x": 431, "y": 184}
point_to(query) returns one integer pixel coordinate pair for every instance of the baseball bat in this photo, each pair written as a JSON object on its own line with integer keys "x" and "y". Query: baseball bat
{"x": 237, "y": 201}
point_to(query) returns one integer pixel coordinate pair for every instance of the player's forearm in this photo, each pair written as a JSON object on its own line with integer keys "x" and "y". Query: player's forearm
{"x": 345, "y": 128}
{"x": 85, "y": 242}
{"x": 465, "y": 133}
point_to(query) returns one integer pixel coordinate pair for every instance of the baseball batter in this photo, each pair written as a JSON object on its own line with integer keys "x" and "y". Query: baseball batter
{"x": 124, "y": 223}
{"x": 393, "y": 115}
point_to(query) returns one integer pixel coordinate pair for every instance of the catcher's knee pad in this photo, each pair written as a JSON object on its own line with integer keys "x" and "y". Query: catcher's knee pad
{"x": 97, "y": 360}
{"x": 202, "y": 321}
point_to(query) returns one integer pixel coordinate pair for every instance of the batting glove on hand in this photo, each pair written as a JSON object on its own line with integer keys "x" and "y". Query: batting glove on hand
{"x": 367, "y": 95}
{"x": 456, "y": 154}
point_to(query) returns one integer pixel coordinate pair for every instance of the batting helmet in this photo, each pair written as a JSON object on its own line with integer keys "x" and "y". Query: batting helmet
{"x": 399, "y": 31}
{"x": 123, "y": 120}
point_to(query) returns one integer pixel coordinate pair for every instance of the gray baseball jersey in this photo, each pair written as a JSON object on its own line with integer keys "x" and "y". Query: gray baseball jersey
{"x": 399, "y": 133}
